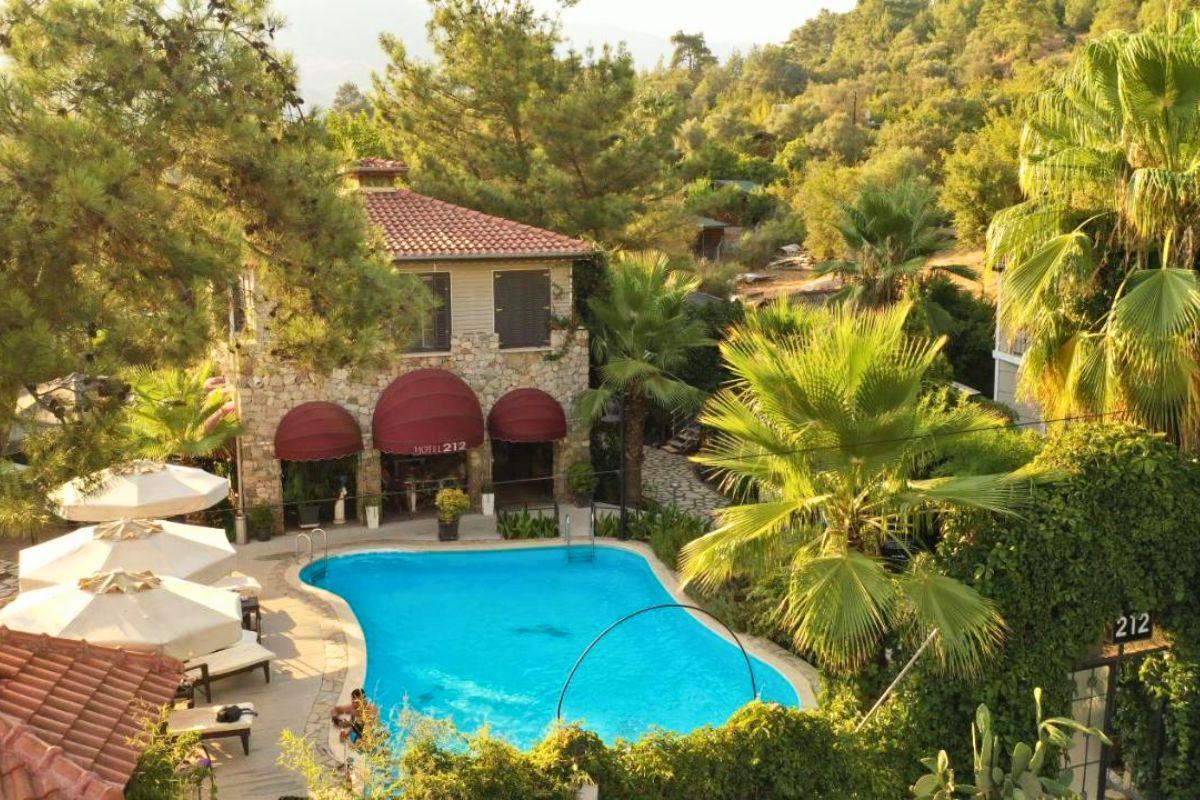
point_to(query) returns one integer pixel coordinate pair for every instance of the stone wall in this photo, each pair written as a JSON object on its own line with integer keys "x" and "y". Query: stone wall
{"x": 275, "y": 388}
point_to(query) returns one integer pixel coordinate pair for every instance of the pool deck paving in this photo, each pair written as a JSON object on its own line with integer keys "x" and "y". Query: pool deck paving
{"x": 321, "y": 655}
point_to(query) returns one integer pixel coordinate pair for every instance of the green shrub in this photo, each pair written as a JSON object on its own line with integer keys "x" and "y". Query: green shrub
{"x": 763, "y": 751}
{"x": 1115, "y": 533}
{"x": 525, "y": 525}
{"x": 581, "y": 479}
{"x": 667, "y": 529}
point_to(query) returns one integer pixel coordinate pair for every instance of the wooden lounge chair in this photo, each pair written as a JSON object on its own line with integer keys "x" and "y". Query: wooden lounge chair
{"x": 246, "y": 656}
{"x": 203, "y": 720}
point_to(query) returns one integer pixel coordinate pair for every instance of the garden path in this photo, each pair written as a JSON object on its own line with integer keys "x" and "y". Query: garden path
{"x": 671, "y": 478}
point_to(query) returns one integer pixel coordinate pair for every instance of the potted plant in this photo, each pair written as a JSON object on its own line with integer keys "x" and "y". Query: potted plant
{"x": 451, "y": 505}
{"x": 372, "y": 505}
{"x": 262, "y": 522}
{"x": 488, "y": 498}
{"x": 581, "y": 482}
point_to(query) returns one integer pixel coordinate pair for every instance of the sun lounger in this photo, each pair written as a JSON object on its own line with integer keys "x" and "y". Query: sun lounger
{"x": 203, "y": 720}
{"x": 238, "y": 582}
{"x": 246, "y": 656}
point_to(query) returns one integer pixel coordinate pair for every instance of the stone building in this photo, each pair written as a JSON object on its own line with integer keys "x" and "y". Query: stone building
{"x": 484, "y": 395}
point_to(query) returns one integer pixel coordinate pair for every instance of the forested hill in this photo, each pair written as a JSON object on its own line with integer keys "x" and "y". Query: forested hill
{"x": 507, "y": 120}
{"x": 893, "y": 86}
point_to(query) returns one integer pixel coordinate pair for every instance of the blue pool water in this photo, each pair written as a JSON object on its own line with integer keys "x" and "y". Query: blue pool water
{"x": 489, "y": 637}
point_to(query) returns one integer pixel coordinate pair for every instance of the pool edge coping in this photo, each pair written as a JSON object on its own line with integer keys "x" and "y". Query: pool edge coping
{"x": 802, "y": 676}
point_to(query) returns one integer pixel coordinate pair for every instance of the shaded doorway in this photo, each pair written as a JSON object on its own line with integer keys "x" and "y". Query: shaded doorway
{"x": 411, "y": 483}
{"x": 523, "y": 473}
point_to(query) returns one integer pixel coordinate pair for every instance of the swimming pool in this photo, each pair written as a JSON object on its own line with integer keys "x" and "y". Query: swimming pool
{"x": 489, "y": 636}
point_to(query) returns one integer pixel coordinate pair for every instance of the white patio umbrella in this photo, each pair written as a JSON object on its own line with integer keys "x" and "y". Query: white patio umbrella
{"x": 139, "y": 489}
{"x": 191, "y": 552}
{"x": 137, "y": 610}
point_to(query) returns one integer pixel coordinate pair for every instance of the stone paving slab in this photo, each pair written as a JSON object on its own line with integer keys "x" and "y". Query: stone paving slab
{"x": 671, "y": 478}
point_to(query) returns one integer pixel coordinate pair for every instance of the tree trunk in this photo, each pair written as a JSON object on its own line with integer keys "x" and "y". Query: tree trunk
{"x": 637, "y": 407}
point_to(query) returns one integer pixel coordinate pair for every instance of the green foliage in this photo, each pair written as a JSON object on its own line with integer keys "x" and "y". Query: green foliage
{"x": 1112, "y": 534}
{"x": 981, "y": 177}
{"x": 820, "y": 438}
{"x": 180, "y": 413}
{"x": 666, "y": 528}
{"x": 503, "y": 123}
{"x": 641, "y": 334}
{"x": 761, "y": 245}
{"x": 169, "y": 767}
{"x": 135, "y": 202}
{"x": 451, "y": 504}
{"x": 581, "y": 478}
{"x": 969, "y": 322}
{"x": 1100, "y": 257}
{"x": 764, "y": 750}
{"x": 526, "y": 525}
{"x": 1024, "y": 777}
{"x": 889, "y": 233}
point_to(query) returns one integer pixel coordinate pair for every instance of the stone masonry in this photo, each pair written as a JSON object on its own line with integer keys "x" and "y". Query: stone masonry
{"x": 275, "y": 388}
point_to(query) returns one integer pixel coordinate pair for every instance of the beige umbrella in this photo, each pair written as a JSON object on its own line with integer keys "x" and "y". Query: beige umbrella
{"x": 137, "y": 610}
{"x": 191, "y": 552}
{"x": 139, "y": 489}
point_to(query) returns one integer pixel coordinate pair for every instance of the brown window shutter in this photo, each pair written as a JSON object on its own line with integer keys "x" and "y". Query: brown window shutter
{"x": 522, "y": 308}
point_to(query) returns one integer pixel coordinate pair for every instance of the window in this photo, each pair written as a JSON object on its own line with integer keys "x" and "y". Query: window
{"x": 522, "y": 307}
{"x": 435, "y": 329}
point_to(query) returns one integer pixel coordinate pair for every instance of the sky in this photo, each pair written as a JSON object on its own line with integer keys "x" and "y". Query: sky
{"x": 337, "y": 40}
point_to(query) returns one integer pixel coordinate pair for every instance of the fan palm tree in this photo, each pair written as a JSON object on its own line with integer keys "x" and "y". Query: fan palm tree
{"x": 182, "y": 414}
{"x": 818, "y": 437}
{"x": 641, "y": 335}
{"x": 891, "y": 233}
{"x": 1100, "y": 259}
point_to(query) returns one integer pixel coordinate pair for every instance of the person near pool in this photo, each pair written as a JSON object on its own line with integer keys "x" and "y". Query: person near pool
{"x": 350, "y": 718}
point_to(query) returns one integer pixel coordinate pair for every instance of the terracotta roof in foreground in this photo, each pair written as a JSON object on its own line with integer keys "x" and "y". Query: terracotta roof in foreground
{"x": 67, "y": 712}
{"x": 417, "y": 227}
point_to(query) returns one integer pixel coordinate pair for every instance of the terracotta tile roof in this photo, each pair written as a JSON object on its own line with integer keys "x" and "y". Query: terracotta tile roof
{"x": 418, "y": 227}
{"x": 380, "y": 164}
{"x": 67, "y": 711}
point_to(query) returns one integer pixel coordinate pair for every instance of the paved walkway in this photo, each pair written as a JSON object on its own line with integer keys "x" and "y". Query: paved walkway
{"x": 671, "y": 478}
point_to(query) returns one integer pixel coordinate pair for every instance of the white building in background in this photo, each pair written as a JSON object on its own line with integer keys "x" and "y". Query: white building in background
{"x": 1008, "y": 355}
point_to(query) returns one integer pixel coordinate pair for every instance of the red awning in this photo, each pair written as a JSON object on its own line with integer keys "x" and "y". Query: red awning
{"x": 527, "y": 415}
{"x": 427, "y": 411}
{"x": 317, "y": 431}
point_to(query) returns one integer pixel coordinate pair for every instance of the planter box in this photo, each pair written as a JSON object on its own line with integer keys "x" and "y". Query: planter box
{"x": 310, "y": 515}
{"x": 372, "y": 517}
{"x": 488, "y": 503}
{"x": 447, "y": 531}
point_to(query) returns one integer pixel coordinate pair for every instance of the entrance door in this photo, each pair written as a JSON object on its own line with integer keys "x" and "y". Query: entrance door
{"x": 523, "y": 473}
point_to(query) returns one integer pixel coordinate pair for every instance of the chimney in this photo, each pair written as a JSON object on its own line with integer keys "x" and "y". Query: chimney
{"x": 375, "y": 174}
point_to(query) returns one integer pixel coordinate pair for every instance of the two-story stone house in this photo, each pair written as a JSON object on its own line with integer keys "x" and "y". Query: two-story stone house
{"x": 485, "y": 393}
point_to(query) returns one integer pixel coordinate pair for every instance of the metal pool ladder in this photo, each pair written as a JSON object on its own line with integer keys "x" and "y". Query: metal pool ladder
{"x": 586, "y": 549}
{"x": 307, "y": 536}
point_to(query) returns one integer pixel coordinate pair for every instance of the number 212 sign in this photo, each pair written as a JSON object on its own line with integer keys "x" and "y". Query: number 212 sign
{"x": 1133, "y": 627}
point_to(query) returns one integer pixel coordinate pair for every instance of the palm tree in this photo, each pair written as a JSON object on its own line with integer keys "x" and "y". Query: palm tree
{"x": 641, "y": 335}
{"x": 819, "y": 436}
{"x": 891, "y": 233}
{"x": 1099, "y": 260}
{"x": 180, "y": 413}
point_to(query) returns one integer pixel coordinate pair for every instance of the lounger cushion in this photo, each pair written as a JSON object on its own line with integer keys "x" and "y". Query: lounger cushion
{"x": 246, "y": 654}
{"x": 203, "y": 720}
